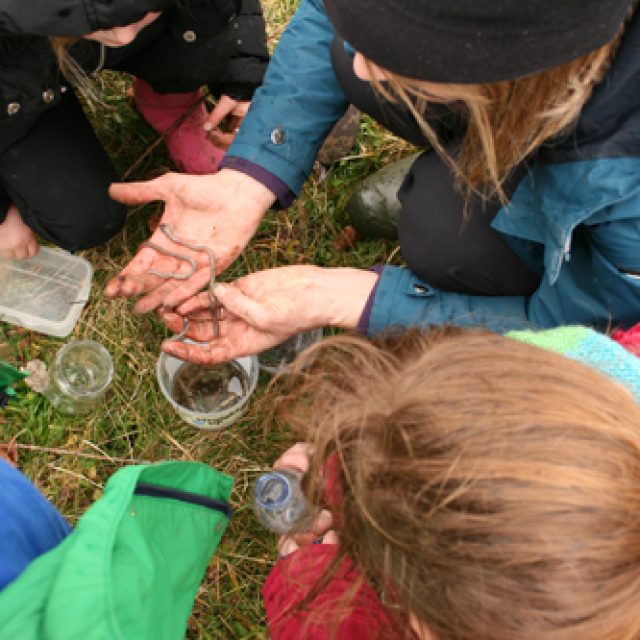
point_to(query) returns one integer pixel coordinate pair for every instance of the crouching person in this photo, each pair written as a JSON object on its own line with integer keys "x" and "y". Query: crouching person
{"x": 475, "y": 487}
{"x": 130, "y": 569}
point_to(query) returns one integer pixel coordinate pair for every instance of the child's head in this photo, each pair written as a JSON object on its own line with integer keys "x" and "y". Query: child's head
{"x": 489, "y": 488}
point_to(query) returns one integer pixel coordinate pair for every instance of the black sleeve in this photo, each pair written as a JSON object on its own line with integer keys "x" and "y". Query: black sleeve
{"x": 5, "y": 203}
{"x": 72, "y": 17}
{"x": 245, "y": 70}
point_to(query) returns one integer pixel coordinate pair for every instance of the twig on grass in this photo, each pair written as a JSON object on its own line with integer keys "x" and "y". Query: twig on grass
{"x": 176, "y": 444}
{"x": 79, "y": 476}
{"x": 164, "y": 134}
{"x": 56, "y": 451}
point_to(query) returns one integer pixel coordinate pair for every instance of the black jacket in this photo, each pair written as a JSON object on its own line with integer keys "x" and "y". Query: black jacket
{"x": 30, "y": 81}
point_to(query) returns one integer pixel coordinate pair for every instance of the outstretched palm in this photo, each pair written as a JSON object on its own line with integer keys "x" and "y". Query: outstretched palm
{"x": 221, "y": 211}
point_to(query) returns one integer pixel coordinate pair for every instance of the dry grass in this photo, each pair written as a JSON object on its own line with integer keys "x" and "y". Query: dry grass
{"x": 71, "y": 458}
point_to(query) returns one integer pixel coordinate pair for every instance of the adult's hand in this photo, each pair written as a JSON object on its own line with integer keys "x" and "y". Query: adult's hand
{"x": 122, "y": 36}
{"x": 221, "y": 211}
{"x": 265, "y": 308}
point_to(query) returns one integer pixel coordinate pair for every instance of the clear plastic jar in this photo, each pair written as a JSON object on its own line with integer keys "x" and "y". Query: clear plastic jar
{"x": 279, "y": 503}
{"x": 80, "y": 376}
{"x": 281, "y": 356}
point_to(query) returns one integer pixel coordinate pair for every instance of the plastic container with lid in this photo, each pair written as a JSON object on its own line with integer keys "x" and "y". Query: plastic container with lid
{"x": 45, "y": 293}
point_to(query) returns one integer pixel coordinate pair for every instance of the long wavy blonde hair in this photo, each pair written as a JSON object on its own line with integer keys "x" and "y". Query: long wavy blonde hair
{"x": 506, "y": 121}
{"x": 72, "y": 71}
{"x": 60, "y": 46}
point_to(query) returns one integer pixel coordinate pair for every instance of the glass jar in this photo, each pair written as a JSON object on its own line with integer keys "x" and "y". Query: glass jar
{"x": 80, "y": 376}
{"x": 279, "y": 503}
{"x": 281, "y": 356}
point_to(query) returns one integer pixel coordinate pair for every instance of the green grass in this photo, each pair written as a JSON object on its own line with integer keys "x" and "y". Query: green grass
{"x": 70, "y": 458}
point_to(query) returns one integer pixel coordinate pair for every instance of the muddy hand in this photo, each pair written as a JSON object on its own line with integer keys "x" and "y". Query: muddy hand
{"x": 265, "y": 308}
{"x": 221, "y": 211}
{"x": 213, "y": 303}
{"x": 261, "y": 310}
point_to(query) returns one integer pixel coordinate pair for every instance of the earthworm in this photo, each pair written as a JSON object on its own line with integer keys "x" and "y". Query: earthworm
{"x": 183, "y": 332}
{"x": 172, "y": 254}
{"x": 213, "y": 304}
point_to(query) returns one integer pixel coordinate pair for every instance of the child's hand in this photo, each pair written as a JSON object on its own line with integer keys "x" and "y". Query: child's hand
{"x": 297, "y": 457}
{"x": 234, "y": 111}
{"x": 290, "y": 544}
{"x": 17, "y": 240}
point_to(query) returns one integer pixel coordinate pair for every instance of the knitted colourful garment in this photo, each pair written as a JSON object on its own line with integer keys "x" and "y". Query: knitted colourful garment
{"x": 629, "y": 339}
{"x": 592, "y": 349}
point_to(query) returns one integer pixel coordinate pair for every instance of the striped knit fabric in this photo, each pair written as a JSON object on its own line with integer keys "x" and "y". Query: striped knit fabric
{"x": 592, "y": 349}
{"x": 628, "y": 338}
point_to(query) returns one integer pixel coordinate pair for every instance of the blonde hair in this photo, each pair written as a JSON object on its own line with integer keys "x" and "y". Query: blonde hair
{"x": 71, "y": 70}
{"x": 489, "y": 487}
{"x": 506, "y": 121}
{"x": 60, "y": 46}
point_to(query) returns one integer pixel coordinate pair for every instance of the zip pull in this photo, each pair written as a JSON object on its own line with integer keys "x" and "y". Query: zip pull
{"x": 632, "y": 274}
{"x": 567, "y": 250}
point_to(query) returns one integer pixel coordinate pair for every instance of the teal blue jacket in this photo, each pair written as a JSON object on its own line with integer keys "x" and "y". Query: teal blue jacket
{"x": 574, "y": 219}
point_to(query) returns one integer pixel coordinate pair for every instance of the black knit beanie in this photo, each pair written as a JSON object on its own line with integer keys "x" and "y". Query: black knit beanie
{"x": 474, "y": 41}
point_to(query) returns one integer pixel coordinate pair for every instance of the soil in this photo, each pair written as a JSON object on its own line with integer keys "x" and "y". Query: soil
{"x": 207, "y": 389}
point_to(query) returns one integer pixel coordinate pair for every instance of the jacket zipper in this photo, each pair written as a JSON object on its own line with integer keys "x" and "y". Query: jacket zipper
{"x": 632, "y": 274}
{"x": 157, "y": 491}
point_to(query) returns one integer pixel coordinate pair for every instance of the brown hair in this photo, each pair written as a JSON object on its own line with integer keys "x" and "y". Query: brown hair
{"x": 489, "y": 487}
{"x": 506, "y": 121}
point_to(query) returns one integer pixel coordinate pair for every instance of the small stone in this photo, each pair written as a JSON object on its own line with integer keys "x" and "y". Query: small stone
{"x": 38, "y": 378}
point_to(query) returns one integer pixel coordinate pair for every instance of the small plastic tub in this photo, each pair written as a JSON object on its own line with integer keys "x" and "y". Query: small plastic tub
{"x": 280, "y": 357}
{"x": 45, "y": 293}
{"x": 199, "y": 408}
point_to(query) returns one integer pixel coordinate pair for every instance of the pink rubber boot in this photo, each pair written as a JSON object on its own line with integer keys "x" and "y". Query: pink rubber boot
{"x": 188, "y": 146}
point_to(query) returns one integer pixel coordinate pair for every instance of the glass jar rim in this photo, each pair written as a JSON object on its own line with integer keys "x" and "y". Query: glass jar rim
{"x": 63, "y": 382}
